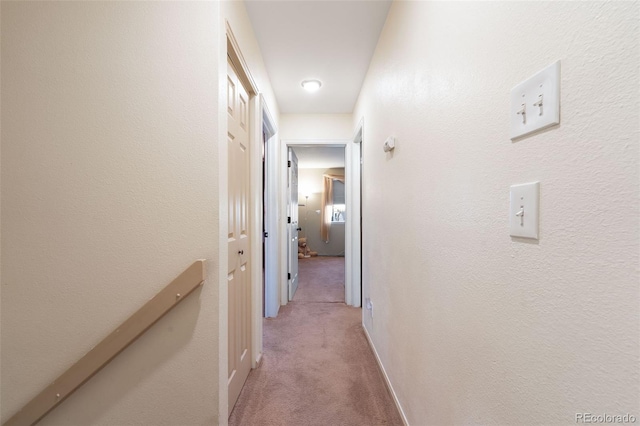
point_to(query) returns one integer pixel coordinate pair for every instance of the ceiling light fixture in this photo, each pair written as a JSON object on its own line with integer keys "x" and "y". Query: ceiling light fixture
{"x": 311, "y": 85}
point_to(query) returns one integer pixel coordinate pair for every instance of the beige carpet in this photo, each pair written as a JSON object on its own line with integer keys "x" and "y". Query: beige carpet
{"x": 317, "y": 367}
{"x": 321, "y": 279}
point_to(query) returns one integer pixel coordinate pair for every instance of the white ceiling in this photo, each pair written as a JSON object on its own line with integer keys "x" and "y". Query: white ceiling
{"x": 330, "y": 40}
{"x": 315, "y": 157}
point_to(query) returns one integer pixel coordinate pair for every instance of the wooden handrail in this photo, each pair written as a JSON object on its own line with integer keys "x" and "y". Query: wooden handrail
{"x": 80, "y": 372}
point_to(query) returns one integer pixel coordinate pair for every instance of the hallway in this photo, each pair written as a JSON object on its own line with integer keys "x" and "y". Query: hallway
{"x": 317, "y": 367}
{"x": 117, "y": 175}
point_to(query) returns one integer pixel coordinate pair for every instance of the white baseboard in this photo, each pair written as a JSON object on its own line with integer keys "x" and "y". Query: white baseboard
{"x": 386, "y": 377}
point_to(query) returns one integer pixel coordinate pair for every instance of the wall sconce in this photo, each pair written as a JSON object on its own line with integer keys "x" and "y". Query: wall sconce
{"x": 389, "y": 144}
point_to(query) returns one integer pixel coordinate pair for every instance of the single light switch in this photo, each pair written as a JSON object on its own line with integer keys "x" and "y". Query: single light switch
{"x": 523, "y": 210}
{"x": 535, "y": 103}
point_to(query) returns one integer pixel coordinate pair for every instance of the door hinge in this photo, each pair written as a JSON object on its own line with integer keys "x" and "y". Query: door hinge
{"x": 289, "y": 276}
{"x": 266, "y": 234}
{"x": 289, "y": 163}
{"x": 289, "y": 219}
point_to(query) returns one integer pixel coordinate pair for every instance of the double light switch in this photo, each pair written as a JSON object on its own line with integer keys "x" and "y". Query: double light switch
{"x": 535, "y": 103}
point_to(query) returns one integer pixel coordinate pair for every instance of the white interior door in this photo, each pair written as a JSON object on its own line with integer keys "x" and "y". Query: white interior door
{"x": 292, "y": 223}
{"x": 274, "y": 240}
{"x": 239, "y": 277}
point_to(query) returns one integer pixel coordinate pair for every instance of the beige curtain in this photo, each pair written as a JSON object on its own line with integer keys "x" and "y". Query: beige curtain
{"x": 327, "y": 205}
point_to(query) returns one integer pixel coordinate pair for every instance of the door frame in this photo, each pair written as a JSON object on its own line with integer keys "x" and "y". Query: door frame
{"x": 292, "y": 226}
{"x": 263, "y": 121}
{"x": 358, "y": 158}
{"x": 353, "y": 273}
{"x": 272, "y": 242}
{"x": 259, "y": 118}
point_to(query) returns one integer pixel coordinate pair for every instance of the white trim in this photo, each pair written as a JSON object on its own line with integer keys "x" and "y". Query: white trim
{"x": 255, "y": 221}
{"x": 352, "y": 223}
{"x": 352, "y": 230}
{"x": 279, "y": 163}
{"x": 272, "y": 270}
{"x": 235, "y": 53}
{"x": 386, "y": 378}
{"x": 268, "y": 120}
{"x": 357, "y": 137}
{"x": 349, "y": 284}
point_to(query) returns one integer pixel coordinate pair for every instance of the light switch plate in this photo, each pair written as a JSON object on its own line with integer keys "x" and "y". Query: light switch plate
{"x": 535, "y": 103}
{"x": 524, "y": 210}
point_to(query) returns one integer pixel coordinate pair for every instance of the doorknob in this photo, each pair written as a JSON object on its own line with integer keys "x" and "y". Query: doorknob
{"x": 241, "y": 252}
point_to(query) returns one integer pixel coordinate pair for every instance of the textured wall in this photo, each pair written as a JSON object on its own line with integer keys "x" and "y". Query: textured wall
{"x": 109, "y": 191}
{"x": 316, "y": 126}
{"x": 474, "y": 327}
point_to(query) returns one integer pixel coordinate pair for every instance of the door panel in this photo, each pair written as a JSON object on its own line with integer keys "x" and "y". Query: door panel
{"x": 292, "y": 207}
{"x": 238, "y": 277}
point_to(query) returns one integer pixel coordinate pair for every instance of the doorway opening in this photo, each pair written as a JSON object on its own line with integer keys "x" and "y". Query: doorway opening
{"x": 320, "y": 223}
{"x": 350, "y": 218}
